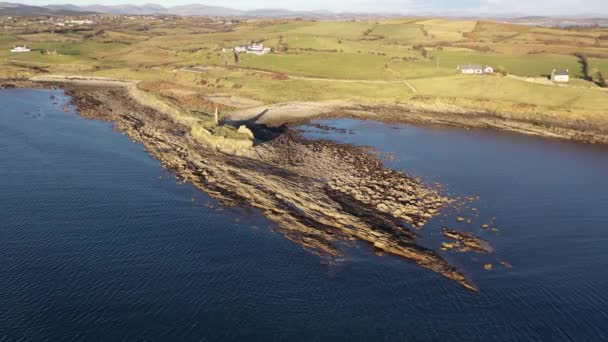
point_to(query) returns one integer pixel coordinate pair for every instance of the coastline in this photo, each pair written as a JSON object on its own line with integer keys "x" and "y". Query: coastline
{"x": 294, "y": 113}
{"x": 319, "y": 194}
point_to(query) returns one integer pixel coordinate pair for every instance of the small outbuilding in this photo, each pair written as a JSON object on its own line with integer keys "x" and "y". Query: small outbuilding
{"x": 560, "y": 75}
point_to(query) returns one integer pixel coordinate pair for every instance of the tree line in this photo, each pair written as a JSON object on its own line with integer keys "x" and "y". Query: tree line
{"x": 599, "y": 76}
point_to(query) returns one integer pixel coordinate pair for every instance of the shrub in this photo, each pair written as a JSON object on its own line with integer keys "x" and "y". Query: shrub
{"x": 601, "y": 81}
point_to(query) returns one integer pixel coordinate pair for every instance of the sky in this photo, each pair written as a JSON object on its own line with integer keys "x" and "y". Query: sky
{"x": 528, "y": 7}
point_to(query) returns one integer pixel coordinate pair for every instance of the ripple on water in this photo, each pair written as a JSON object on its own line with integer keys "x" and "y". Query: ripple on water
{"x": 94, "y": 246}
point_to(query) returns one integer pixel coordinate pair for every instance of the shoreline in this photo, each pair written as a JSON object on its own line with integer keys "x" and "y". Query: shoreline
{"x": 311, "y": 189}
{"x": 320, "y": 194}
{"x": 294, "y": 113}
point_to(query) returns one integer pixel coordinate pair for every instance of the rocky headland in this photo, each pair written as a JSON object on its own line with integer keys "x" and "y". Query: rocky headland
{"x": 319, "y": 193}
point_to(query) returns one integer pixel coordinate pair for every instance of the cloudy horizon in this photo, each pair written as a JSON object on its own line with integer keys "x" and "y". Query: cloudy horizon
{"x": 524, "y": 7}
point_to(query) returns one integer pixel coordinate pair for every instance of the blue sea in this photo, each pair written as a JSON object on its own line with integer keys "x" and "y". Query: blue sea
{"x": 99, "y": 243}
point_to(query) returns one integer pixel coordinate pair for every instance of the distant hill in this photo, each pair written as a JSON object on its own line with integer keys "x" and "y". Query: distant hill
{"x": 14, "y": 9}
{"x": 151, "y": 9}
{"x": 196, "y": 9}
{"x": 119, "y": 9}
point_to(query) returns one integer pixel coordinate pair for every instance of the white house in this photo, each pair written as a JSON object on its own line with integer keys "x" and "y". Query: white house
{"x": 81, "y": 22}
{"x": 256, "y": 49}
{"x": 20, "y": 48}
{"x": 560, "y": 75}
{"x": 470, "y": 69}
{"x": 475, "y": 69}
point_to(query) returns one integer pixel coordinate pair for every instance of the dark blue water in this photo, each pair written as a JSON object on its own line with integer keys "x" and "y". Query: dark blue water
{"x": 98, "y": 242}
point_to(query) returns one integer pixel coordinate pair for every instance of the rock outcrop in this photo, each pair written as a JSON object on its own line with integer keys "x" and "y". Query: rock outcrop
{"x": 238, "y": 145}
{"x": 467, "y": 241}
{"x": 319, "y": 193}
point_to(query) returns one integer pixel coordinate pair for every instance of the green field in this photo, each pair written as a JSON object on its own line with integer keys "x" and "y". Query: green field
{"x": 504, "y": 89}
{"x": 424, "y": 52}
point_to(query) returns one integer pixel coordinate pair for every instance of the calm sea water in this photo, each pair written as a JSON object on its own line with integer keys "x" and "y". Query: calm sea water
{"x": 98, "y": 242}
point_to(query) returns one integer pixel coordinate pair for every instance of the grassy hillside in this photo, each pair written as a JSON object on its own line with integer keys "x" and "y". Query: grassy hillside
{"x": 373, "y": 56}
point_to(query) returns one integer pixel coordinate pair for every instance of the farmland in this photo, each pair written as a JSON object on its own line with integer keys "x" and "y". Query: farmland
{"x": 406, "y": 60}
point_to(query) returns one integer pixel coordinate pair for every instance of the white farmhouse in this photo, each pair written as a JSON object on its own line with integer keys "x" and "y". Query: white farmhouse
{"x": 475, "y": 69}
{"x": 258, "y": 49}
{"x": 470, "y": 69}
{"x": 20, "y": 48}
{"x": 80, "y": 22}
{"x": 560, "y": 75}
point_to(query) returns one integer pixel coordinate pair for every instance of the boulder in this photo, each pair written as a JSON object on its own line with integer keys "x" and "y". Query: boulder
{"x": 246, "y": 131}
{"x": 382, "y": 206}
{"x": 224, "y": 144}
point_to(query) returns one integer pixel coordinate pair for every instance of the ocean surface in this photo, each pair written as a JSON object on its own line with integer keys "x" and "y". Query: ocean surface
{"x": 99, "y": 243}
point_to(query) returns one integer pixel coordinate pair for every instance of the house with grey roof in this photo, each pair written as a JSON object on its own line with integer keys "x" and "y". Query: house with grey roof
{"x": 560, "y": 75}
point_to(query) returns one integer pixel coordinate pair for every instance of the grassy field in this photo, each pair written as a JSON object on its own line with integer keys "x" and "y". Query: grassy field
{"x": 499, "y": 88}
{"x": 527, "y": 65}
{"x": 424, "y": 52}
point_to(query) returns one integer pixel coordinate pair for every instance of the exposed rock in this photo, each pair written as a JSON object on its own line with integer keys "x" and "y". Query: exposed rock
{"x": 313, "y": 190}
{"x": 224, "y": 144}
{"x": 246, "y": 131}
{"x": 447, "y": 246}
{"x": 506, "y": 264}
{"x": 467, "y": 240}
{"x": 380, "y": 245}
{"x": 382, "y": 207}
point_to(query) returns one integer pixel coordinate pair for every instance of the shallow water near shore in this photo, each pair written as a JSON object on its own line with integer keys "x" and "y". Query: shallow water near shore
{"x": 97, "y": 241}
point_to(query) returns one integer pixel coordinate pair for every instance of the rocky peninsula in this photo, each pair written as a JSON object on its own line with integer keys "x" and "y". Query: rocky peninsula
{"x": 319, "y": 193}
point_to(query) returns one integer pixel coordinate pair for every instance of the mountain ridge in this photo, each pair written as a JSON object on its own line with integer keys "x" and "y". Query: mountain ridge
{"x": 194, "y": 9}
{"x": 8, "y": 8}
